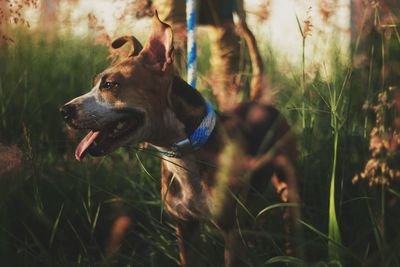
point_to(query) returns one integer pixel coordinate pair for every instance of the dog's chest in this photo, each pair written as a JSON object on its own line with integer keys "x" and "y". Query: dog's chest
{"x": 185, "y": 192}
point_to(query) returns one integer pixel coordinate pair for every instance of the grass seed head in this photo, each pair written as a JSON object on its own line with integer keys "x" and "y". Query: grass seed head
{"x": 326, "y": 9}
{"x": 264, "y": 11}
{"x": 384, "y": 146}
{"x": 307, "y": 24}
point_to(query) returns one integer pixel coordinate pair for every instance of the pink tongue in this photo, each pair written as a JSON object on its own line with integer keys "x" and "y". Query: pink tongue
{"x": 81, "y": 149}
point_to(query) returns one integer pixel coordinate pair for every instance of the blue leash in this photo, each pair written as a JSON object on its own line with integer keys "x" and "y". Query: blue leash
{"x": 191, "y": 42}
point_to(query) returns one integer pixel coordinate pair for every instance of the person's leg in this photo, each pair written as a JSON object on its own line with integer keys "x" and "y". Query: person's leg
{"x": 225, "y": 53}
{"x": 225, "y": 49}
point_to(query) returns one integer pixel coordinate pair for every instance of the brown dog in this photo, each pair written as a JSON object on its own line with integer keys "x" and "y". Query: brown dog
{"x": 217, "y": 166}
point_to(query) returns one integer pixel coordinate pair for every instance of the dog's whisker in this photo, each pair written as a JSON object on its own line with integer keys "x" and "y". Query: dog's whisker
{"x": 156, "y": 153}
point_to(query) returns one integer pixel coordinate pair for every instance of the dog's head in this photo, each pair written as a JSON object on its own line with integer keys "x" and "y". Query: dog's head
{"x": 126, "y": 98}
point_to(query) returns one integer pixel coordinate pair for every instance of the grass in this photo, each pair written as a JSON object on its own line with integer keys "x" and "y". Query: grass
{"x": 55, "y": 211}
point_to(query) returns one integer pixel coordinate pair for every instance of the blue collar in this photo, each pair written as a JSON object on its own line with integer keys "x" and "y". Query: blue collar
{"x": 197, "y": 139}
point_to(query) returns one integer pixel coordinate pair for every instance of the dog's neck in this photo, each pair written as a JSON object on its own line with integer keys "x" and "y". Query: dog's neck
{"x": 187, "y": 104}
{"x": 186, "y": 109}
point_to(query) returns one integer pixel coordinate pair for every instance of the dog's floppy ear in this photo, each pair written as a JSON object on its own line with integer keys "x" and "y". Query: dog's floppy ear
{"x": 159, "y": 48}
{"x": 136, "y": 45}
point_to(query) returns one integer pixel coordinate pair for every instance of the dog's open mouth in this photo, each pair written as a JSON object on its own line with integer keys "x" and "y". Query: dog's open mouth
{"x": 101, "y": 142}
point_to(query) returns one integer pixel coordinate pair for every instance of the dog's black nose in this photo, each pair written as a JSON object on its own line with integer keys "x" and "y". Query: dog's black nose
{"x": 67, "y": 112}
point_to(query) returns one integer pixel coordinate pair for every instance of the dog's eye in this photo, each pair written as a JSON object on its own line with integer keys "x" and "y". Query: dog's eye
{"x": 109, "y": 85}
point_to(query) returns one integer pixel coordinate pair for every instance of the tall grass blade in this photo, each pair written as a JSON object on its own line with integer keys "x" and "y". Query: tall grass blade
{"x": 377, "y": 230}
{"x": 277, "y": 205}
{"x": 241, "y": 204}
{"x": 291, "y": 261}
{"x": 39, "y": 244}
{"x": 78, "y": 237}
{"x": 96, "y": 217}
{"x": 87, "y": 212}
{"x": 303, "y": 78}
{"x": 145, "y": 169}
{"x": 394, "y": 192}
{"x": 339, "y": 246}
{"x": 299, "y": 25}
{"x": 55, "y": 226}
{"x": 334, "y": 231}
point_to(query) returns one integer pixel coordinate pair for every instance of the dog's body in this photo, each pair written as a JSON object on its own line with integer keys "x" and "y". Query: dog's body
{"x": 141, "y": 100}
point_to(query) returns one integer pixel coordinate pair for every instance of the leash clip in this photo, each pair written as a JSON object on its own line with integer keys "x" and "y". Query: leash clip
{"x": 182, "y": 147}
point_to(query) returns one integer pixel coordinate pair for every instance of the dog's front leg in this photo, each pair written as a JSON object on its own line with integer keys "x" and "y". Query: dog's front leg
{"x": 190, "y": 252}
{"x": 234, "y": 250}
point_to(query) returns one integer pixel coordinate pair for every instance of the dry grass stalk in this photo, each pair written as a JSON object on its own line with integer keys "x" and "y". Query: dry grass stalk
{"x": 264, "y": 11}
{"x": 383, "y": 167}
{"x": 307, "y": 24}
{"x": 327, "y": 9}
{"x": 11, "y": 12}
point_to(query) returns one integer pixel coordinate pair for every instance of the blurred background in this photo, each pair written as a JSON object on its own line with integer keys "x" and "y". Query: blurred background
{"x": 273, "y": 21}
{"x": 332, "y": 68}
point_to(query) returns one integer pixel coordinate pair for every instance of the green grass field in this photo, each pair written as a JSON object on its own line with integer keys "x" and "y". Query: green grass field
{"x": 55, "y": 211}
